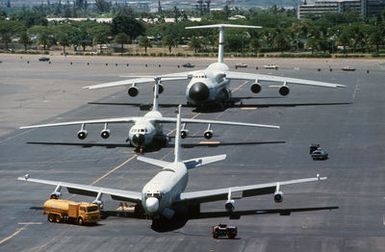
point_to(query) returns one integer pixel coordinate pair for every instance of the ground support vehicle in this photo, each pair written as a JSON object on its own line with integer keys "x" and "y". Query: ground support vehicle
{"x": 71, "y": 212}
{"x": 223, "y": 230}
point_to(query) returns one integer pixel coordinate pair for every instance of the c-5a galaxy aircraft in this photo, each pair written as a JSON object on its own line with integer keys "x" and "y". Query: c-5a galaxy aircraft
{"x": 163, "y": 198}
{"x": 147, "y": 131}
{"x": 210, "y": 86}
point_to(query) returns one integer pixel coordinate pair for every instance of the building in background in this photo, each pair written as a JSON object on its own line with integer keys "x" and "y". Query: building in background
{"x": 366, "y": 8}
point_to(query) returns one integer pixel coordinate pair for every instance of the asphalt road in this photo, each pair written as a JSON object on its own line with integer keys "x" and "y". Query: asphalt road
{"x": 353, "y": 134}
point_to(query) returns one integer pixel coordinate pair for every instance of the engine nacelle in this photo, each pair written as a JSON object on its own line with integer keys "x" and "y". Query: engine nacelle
{"x": 256, "y": 88}
{"x": 278, "y": 197}
{"x": 208, "y": 134}
{"x": 183, "y": 133}
{"x": 55, "y": 195}
{"x": 99, "y": 203}
{"x": 284, "y": 90}
{"x": 160, "y": 88}
{"x": 133, "y": 91}
{"x": 105, "y": 133}
{"x": 229, "y": 206}
{"x": 82, "y": 134}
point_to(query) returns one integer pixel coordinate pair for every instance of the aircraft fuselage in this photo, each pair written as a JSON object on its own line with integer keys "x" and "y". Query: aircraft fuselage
{"x": 163, "y": 189}
{"x": 145, "y": 130}
{"x": 209, "y": 85}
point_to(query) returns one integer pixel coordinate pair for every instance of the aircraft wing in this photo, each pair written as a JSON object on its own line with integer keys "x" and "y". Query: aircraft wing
{"x": 96, "y": 121}
{"x": 89, "y": 190}
{"x": 142, "y": 79}
{"x": 245, "y": 191}
{"x": 238, "y": 214}
{"x": 202, "y": 121}
{"x": 265, "y": 77}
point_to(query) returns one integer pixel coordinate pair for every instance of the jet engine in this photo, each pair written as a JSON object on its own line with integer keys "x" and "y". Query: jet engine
{"x": 105, "y": 133}
{"x": 133, "y": 91}
{"x": 229, "y": 206}
{"x": 278, "y": 197}
{"x": 160, "y": 89}
{"x": 256, "y": 88}
{"x": 99, "y": 203}
{"x": 208, "y": 134}
{"x": 284, "y": 90}
{"x": 183, "y": 133}
{"x": 82, "y": 134}
{"x": 55, "y": 195}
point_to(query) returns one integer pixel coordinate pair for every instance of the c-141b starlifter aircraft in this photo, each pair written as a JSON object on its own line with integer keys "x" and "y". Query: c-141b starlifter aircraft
{"x": 147, "y": 131}
{"x": 210, "y": 86}
{"x": 164, "y": 198}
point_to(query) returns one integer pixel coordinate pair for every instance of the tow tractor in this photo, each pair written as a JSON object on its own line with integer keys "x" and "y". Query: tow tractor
{"x": 223, "y": 230}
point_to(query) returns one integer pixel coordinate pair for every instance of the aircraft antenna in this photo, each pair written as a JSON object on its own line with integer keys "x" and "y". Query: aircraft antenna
{"x": 177, "y": 153}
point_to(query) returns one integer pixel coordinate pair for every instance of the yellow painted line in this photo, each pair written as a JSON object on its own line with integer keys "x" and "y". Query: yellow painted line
{"x": 30, "y": 223}
{"x": 209, "y": 142}
{"x": 12, "y": 235}
{"x": 250, "y": 108}
{"x": 113, "y": 170}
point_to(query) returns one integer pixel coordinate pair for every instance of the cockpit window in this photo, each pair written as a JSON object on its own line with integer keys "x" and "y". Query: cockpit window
{"x": 155, "y": 195}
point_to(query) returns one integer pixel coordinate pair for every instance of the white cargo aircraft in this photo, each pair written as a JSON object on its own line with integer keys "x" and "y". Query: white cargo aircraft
{"x": 147, "y": 131}
{"x": 164, "y": 194}
{"x": 211, "y": 85}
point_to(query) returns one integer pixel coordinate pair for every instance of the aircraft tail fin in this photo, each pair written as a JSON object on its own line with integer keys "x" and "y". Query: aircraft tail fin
{"x": 177, "y": 150}
{"x": 221, "y": 27}
{"x": 156, "y": 95}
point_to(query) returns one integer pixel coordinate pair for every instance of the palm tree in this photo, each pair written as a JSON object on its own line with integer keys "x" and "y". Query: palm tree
{"x": 144, "y": 42}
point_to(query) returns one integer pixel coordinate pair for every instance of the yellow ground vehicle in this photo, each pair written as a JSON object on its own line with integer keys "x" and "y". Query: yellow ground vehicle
{"x": 70, "y": 211}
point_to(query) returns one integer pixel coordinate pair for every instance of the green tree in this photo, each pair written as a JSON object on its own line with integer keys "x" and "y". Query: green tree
{"x": 9, "y": 29}
{"x": 376, "y": 37}
{"x": 170, "y": 42}
{"x": 100, "y": 34}
{"x": 64, "y": 35}
{"x": 30, "y": 18}
{"x": 195, "y": 44}
{"x": 144, "y": 42}
{"x": 121, "y": 39}
{"x": 127, "y": 25}
{"x": 102, "y": 6}
{"x": 45, "y": 35}
{"x": 25, "y": 40}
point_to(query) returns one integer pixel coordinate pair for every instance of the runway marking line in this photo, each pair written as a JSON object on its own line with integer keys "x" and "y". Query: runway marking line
{"x": 30, "y": 223}
{"x": 245, "y": 108}
{"x": 13, "y": 235}
{"x": 209, "y": 142}
{"x": 113, "y": 170}
{"x": 25, "y": 224}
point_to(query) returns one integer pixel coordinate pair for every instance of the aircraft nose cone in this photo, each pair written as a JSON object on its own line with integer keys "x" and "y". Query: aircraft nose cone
{"x": 152, "y": 204}
{"x": 138, "y": 139}
{"x": 199, "y": 92}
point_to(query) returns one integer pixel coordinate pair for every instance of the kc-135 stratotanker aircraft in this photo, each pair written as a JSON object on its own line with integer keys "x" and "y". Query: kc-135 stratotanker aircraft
{"x": 210, "y": 86}
{"x": 164, "y": 200}
{"x": 147, "y": 131}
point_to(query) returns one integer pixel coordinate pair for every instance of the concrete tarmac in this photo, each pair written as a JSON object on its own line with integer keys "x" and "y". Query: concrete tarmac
{"x": 353, "y": 134}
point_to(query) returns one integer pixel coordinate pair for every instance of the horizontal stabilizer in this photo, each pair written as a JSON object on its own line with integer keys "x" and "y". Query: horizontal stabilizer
{"x": 223, "y": 26}
{"x": 156, "y": 162}
{"x": 198, "y": 162}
